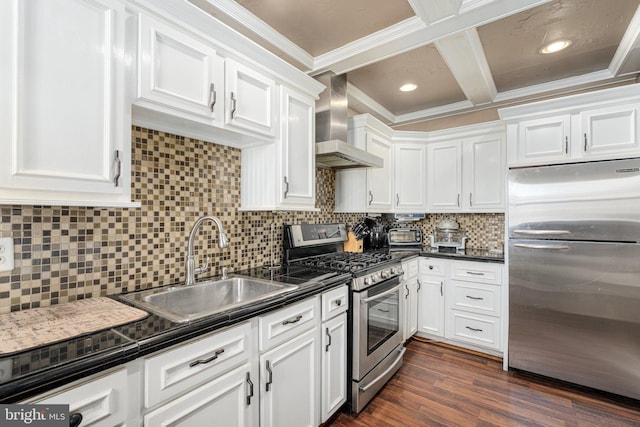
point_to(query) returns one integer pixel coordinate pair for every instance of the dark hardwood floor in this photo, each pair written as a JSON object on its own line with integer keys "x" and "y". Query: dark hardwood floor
{"x": 443, "y": 386}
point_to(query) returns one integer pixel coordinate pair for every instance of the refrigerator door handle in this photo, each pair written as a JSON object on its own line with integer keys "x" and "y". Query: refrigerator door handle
{"x": 550, "y": 247}
{"x": 542, "y": 232}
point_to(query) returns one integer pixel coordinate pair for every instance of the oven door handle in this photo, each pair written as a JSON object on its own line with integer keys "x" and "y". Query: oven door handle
{"x": 382, "y": 375}
{"x": 384, "y": 294}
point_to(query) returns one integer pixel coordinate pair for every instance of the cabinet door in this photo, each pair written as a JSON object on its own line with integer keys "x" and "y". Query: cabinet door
{"x": 178, "y": 71}
{"x": 431, "y": 305}
{"x": 334, "y": 365}
{"x": 444, "y": 176}
{"x": 410, "y": 177}
{"x": 230, "y": 399}
{"x": 289, "y": 383}
{"x": 250, "y": 99}
{"x": 411, "y": 288}
{"x": 610, "y": 130}
{"x": 63, "y": 126}
{"x": 544, "y": 139}
{"x": 484, "y": 173}
{"x": 379, "y": 180}
{"x": 298, "y": 150}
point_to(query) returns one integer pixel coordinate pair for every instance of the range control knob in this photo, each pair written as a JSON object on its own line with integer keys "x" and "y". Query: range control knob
{"x": 394, "y": 270}
{"x": 368, "y": 281}
{"x": 384, "y": 274}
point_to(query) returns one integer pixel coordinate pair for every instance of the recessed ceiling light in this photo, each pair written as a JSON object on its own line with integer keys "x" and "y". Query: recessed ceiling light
{"x": 408, "y": 87}
{"x": 556, "y": 46}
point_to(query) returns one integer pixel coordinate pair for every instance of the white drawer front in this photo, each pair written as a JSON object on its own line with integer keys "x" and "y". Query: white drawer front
{"x": 482, "y": 272}
{"x": 475, "y": 329}
{"x": 281, "y": 326}
{"x": 177, "y": 370}
{"x": 475, "y": 297}
{"x": 334, "y": 302}
{"x": 433, "y": 266}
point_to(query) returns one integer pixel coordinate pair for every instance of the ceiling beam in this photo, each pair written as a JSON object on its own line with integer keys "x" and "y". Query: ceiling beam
{"x": 435, "y": 10}
{"x": 413, "y": 33}
{"x": 464, "y": 55}
{"x": 627, "y": 57}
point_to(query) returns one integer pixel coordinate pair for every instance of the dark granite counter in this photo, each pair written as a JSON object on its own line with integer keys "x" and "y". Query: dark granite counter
{"x": 470, "y": 254}
{"x": 37, "y": 370}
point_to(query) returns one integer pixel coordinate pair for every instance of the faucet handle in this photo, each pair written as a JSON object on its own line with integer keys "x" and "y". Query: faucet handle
{"x": 201, "y": 270}
{"x": 225, "y": 273}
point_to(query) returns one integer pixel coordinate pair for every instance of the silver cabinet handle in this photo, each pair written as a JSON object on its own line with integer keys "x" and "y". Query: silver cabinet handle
{"x": 566, "y": 145}
{"x": 397, "y": 199}
{"x": 431, "y": 267}
{"x": 205, "y": 361}
{"x": 233, "y": 105}
{"x": 337, "y": 302}
{"x": 118, "y": 163}
{"x": 326, "y": 348}
{"x": 212, "y": 96}
{"x": 406, "y": 288}
{"x": 294, "y": 320}
{"x": 475, "y": 273}
{"x": 270, "y": 378}
{"x": 370, "y": 197}
{"x": 470, "y": 199}
{"x": 441, "y": 290}
{"x": 553, "y": 248}
{"x": 286, "y": 187}
{"x": 473, "y": 329}
{"x": 541, "y": 232}
{"x": 585, "y": 142}
{"x": 383, "y": 294}
{"x": 419, "y": 285}
{"x": 458, "y": 202}
{"x": 475, "y": 298}
{"x": 250, "y": 384}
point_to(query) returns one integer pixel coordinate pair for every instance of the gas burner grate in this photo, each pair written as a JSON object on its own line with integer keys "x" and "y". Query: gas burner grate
{"x": 345, "y": 261}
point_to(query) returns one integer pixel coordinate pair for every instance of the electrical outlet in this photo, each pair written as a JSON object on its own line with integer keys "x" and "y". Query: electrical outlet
{"x": 6, "y": 254}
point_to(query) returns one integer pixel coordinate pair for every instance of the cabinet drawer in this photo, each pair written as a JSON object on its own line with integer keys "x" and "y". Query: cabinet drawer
{"x": 410, "y": 269}
{"x": 475, "y": 297}
{"x": 481, "y": 272}
{"x": 433, "y": 266}
{"x": 335, "y": 302}
{"x": 185, "y": 366}
{"x": 474, "y": 329}
{"x": 289, "y": 322}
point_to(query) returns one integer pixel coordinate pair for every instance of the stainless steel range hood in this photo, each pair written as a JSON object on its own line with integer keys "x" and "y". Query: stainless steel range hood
{"x": 332, "y": 150}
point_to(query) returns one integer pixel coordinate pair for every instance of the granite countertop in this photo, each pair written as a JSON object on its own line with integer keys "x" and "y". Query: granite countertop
{"x": 470, "y": 254}
{"x": 37, "y": 370}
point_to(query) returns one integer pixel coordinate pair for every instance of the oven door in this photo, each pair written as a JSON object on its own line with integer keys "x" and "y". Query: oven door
{"x": 377, "y": 315}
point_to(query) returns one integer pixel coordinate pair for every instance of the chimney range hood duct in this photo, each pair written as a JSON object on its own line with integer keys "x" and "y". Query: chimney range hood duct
{"x": 332, "y": 150}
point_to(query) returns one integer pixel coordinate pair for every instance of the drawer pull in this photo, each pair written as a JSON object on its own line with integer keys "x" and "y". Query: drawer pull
{"x": 205, "y": 361}
{"x": 250, "y": 384}
{"x": 475, "y": 298}
{"x": 473, "y": 329}
{"x": 431, "y": 267}
{"x": 384, "y": 311}
{"x": 270, "y": 378}
{"x": 338, "y": 302}
{"x": 294, "y": 320}
{"x": 475, "y": 273}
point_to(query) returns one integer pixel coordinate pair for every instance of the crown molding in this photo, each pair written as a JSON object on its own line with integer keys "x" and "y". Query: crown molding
{"x": 376, "y": 109}
{"x": 627, "y": 56}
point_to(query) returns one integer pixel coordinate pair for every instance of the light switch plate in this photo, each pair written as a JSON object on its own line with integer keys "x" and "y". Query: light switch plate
{"x": 6, "y": 254}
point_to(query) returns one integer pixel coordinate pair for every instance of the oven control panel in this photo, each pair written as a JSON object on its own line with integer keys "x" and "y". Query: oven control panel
{"x": 377, "y": 276}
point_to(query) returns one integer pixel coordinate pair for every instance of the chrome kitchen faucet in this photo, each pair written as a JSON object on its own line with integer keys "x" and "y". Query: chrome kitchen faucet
{"x": 223, "y": 242}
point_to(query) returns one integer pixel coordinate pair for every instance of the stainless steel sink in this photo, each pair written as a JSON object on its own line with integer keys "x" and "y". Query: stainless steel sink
{"x": 189, "y": 302}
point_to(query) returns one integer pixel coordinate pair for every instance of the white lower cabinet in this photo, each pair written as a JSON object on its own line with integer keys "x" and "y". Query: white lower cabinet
{"x": 411, "y": 289}
{"x": 229, "y": 397}
{"x": 334, "y": 365}
{"x": 290, "y": 383}
{"x": 462, "y": 302}
{"x": 102, "y": 401}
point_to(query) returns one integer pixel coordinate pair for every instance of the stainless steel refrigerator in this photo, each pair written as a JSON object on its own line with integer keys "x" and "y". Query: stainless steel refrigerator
{"x": 574, "y": 273}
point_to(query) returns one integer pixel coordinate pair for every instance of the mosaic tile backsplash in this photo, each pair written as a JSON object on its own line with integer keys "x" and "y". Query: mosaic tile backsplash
{"x": 68, "y": 253}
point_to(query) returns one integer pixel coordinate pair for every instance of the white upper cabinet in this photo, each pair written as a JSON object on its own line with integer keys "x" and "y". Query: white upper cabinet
{"x": 410, "y": 164}
{"x": 611, "y": 130}
{"x": 597, "y": 125}
{"x": 282, "y": 175}
{"x": 444, "y": 174}
{"x": 380, "y": 180}
{"x": 179, "y": 71}
{"x": 250, "y": 98}
{"x": 483, "y": 173}
{"x": 466, "y": 169}
{"x": 65, "y": 129}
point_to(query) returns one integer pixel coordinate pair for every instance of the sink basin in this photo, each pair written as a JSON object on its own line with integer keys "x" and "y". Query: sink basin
{"x": 184, "y": 303}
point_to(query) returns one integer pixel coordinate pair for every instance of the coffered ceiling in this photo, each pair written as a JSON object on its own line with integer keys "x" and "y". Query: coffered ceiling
{"x": 466, "y": 57}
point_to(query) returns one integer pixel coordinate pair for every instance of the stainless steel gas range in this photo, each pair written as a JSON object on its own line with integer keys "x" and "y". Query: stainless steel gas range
{"x": 375, "y": 335}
